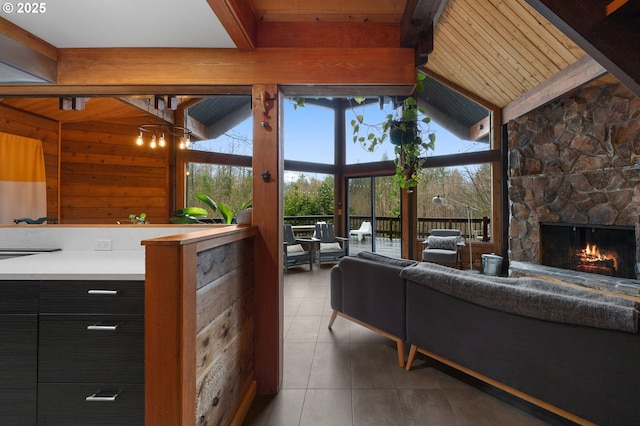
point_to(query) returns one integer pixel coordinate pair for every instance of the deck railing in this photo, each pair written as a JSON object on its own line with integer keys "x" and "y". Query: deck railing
{"x": 389, "y": 226}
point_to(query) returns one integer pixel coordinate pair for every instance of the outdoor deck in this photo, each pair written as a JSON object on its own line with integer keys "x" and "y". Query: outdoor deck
{"x": 386, "y": 246}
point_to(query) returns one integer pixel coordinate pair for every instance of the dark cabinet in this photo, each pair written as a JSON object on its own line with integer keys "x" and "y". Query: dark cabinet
{"x": 83, "y": 404}
{"x": 18, "y": 352}
{"x": 72, "y": 353}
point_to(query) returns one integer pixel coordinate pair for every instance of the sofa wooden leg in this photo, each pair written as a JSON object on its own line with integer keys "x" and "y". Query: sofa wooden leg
{"x": 334, "y": 315}
{"x": 412, "y": 356}
{"x": 401, "y": 359}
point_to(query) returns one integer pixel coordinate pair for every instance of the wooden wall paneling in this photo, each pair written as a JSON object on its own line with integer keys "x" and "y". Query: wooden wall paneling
{"x": 267, "y": 217}
{"x": 225, "y": 330}
{"x": 331, "y": 10}
{"x": 32, "y": 126}
{"x": 106, "y": 177}
{"x": 328, "y": 34}
{"x": 207, "y": 330}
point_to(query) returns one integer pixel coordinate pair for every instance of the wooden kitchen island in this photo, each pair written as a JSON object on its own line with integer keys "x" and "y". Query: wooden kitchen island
{"x": 152, "y": 334}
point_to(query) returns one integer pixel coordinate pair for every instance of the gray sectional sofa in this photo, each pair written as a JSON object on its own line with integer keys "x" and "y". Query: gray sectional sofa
{"x": 570, "y": 350}
{"x": 368, "y": 290}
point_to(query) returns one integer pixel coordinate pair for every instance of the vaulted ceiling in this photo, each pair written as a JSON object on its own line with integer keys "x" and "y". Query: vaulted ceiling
{"x": 496, "y": 52}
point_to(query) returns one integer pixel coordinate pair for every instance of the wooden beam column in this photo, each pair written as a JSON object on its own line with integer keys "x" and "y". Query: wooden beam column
{"x": 409, "y": 208}
{"x": 268, "y": 167}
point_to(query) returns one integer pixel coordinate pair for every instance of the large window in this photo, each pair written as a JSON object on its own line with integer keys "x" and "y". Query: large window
{"x": 230, "y": 185}
{"x": 447, "y": 142}
{"x": 309, "y": 133}
{"x": 458, "y": 187}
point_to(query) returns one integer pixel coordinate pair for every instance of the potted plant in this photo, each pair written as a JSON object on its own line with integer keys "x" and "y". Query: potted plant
{"x": 197, "y": 214}
{"x": 405, "y": 129}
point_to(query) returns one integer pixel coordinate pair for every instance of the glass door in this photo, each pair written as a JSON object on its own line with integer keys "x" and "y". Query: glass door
{"x": 373, "y": 216}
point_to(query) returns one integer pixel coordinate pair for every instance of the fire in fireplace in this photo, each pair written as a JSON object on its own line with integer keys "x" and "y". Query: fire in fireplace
{"x": 605, "y": 250}
{"x": 590, "y": 259}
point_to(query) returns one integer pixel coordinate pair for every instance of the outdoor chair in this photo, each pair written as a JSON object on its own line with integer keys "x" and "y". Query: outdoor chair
{"x": 295, "y": 254}
{"x": 330, "y": 248}
{"x": 365, "y": 229}
{"x": 443, "y": 246}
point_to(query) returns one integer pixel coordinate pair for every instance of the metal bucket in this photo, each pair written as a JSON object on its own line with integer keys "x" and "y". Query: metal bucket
{"x": 491, "y": 264}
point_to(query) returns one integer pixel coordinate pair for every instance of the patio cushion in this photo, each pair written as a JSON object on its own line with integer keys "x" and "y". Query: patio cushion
{"x": 330, "y": 246}
{"x": 295, "y": 248}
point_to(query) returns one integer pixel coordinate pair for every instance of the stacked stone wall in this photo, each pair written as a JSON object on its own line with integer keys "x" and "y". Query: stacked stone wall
{"x": 575, "y": 160}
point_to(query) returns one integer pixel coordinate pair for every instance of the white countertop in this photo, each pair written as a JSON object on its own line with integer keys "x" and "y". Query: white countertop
{"x": 118, "y": 265}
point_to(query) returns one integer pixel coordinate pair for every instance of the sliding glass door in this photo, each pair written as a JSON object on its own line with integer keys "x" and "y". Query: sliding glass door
{"x": 373, "y": 215}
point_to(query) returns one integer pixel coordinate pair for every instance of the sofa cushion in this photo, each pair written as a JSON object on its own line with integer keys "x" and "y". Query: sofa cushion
{"x": 386, "y": 259}
{"x": 530, "y": 297}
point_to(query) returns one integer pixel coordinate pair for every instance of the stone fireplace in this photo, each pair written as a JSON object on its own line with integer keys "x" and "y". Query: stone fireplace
{"x": 604, "y": 250}
{"x": 575, "y": 161}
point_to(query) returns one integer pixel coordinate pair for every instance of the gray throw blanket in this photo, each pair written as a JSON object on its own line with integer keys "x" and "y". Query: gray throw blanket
{"x": 531, "y": 297}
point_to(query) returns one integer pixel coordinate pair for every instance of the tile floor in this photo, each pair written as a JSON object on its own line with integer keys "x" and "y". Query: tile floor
{"x": 350, "y": 375}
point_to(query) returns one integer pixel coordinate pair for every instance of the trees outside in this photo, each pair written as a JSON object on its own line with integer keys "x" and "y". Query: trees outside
{"x": 314, "y": 195}
{"x": 230, "y": 185}
{"x": 308, "y": 196}
{"x": 470, "y": 185}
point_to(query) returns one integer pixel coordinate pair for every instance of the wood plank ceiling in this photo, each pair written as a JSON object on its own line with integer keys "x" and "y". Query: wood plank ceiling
{"x": 498, "y": 49}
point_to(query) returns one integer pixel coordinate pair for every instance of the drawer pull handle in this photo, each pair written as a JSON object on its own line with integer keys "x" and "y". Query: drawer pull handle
{"x": 103, "y": 396}
{"x": 104, "y": 292}
{"x": 103, "y": 327}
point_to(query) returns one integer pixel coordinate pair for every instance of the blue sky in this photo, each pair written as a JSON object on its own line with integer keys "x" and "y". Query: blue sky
{"x": 309, "y": 133}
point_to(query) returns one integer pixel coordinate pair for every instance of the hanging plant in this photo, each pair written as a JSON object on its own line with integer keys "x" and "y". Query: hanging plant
{"x": 405, "y": 129}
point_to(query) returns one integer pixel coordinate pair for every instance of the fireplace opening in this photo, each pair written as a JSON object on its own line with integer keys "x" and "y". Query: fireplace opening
{"x": 604, "y": 250}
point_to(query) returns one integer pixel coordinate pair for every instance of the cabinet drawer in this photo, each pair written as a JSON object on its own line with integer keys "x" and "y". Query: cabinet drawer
{"x": 91, "y": 348}
{"x": 67, "y": 404}
{"x": 86, "y": 297}
{"x": 18, "y": 406}
{"x": 18, "y": 350}
{"x": 18, "y": 297}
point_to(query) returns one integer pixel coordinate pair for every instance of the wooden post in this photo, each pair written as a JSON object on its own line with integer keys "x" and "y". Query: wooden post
{"x": 268, "y": 167}
{"x": 409, "y": 231}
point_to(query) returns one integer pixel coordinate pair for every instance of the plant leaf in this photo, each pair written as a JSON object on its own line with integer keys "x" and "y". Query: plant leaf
{"x": 208, "y": 201}
{"x": 194, "y": 211}
{"x": 225, "y": 211}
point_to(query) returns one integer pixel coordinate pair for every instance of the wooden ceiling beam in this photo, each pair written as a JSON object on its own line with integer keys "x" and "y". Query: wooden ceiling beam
{"x": 238, "y": 19}
{"x": 575, "y": 75}
{"x": 416, "y": 25}
{"x": 228, "y": 67}
{"x": 608, "y": 35}
{"x": 28, "y": 58}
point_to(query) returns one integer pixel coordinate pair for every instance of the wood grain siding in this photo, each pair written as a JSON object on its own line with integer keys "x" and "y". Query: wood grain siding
{"x": 106, "y": 177}
{"x": 22, "y": 123}
{"x": 224, "y": 324}
{"x": 199, "y": 327}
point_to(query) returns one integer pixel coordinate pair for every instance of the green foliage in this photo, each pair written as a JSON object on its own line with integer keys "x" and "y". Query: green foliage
{"x": 306, "y": 197}
{"x": 225, "y": 211}
{"x": 405, "y": 129}
{"x": 188, "y": 215}
{"x": 230, "y": 186}
{"x": 137, "y": 220}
